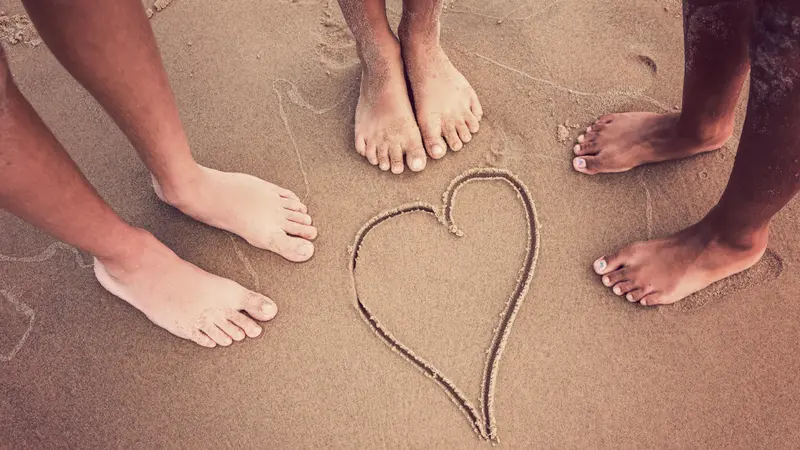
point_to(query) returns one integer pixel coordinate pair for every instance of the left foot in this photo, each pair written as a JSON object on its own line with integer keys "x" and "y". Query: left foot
{"x": 265, "y": 215}
{"x": 663, "y": 271}
{"x": 445, "y": 103}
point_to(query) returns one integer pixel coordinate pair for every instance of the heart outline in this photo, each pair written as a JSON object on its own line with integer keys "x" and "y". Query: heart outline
{"x": 482, "y": 423}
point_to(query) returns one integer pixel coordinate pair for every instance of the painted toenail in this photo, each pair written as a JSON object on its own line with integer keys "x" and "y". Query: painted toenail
{"x": 600, "y": 264}
{"x": 580, "y": 163}
{"x": 580, "y": 139}
{"x": 437, "y": 150}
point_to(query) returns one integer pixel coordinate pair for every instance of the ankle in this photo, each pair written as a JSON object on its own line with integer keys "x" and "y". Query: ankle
{"x": 177, "y": 191}
{"x": 380, "y": 55}
{"x": 127, "y": 254}
{"x": 734, "y": 233}
{"x": 704, "y": 131}
{"x": 416, "y": 32}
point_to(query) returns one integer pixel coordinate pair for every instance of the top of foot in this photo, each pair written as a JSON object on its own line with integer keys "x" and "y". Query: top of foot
{"x": 620, "y": 142}
{"x": 265, "y": 215}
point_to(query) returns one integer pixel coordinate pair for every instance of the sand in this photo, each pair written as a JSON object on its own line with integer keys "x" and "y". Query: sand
{"x": 270, "y": 88}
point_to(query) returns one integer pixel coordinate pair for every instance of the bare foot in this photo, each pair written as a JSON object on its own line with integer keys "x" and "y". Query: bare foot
{"x": 663, "y": 271}
{"x": 181, "y": 298}
{"x": 385, "y": 128}
{"x": 265, "y": 215}
{"x": 445, "y": 103}
{"x": 620, "y": 142}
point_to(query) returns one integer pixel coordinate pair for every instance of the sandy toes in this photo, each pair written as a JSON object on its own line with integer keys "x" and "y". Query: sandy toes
{"x": 183, "y": 299}
{"x": 664, "y": 271}
{"x": 265, "y": 215}
{"x": 620, "y": 142}
{"x": 385, "y": 128}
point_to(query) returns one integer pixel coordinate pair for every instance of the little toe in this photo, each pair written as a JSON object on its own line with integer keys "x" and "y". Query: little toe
{"x": 463, "y": 132}
{"x": 231, "y": 329}
{"x": 259, "y": 307}
{"x": 396, "y": 159}
{"x": 300, "y": 230}
{"x": 202, "y": 339}
{"x": 248, "y": 325}
{"x": 293, "y": 204}
{"x": 451, "y": 136}
{"x": 472, "y": 122}
{"x": 635, "y": 295}
{"x": 383, "y": 157}
{"x": 298, "y": 217}
{"x": 372, "y": 153}
{"x": 651, "y": 299}
{"x": 623, "y": 287}
{"x": 475, "y": 105}
{"x": 219, "y": 336}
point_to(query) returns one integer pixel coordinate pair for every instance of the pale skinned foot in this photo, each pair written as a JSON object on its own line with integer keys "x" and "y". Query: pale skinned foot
{"x": 620, "y": 142}
{"x": 265, "y": 215}
{"x": 180, "y": 297}
{"x": 447, "y": 108}
{"x": 664, "y": 271}
{"x": 385, "y": 129}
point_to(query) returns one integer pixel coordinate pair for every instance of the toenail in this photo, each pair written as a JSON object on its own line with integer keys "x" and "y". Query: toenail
{"x": 268, "y": 308}
{"x": 617, "y": 290}
{"x": 305, "y": 249}
{"x": 384, "y": 167}
{"x": 607, "y": 281}
{"x": 600, "y": 264}
{"x": 629, "y": 297}
{"x": 580, "y": 139}
{"x": 576, "y": 149}
{"x": 588, "y": 129}
{"x": 437, "y": 150}
{"x": 580, "y": 163}
{"x": 416, "y": 164}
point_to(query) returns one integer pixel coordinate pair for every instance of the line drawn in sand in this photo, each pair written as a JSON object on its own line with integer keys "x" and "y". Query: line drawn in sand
{"x": 245, "y": 262}
{"x": 48, "y": 253}
{"x": 483, "y": 421}
{"x": 294, "y": 96}
{"x": 12, "y": 296}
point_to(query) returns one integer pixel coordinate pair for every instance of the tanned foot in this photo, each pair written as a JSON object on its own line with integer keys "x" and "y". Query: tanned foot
{"x": 181, "y": 298}
{"x": 265, "y": 215}
{"x": 620, "y": 142}
{"x": 385, "y": 128}
{"x": 445, "y": 103}
{"x": 663, "y": 271}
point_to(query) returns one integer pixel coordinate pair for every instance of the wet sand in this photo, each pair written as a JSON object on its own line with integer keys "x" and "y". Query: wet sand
{"x": 270, "y": 88}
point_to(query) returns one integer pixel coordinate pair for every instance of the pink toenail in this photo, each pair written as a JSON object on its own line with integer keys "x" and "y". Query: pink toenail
{"x": 580, "y": 163}
{"x": 600, "y": 264}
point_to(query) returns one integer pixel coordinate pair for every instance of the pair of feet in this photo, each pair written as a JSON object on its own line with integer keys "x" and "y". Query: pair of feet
{"x": 389, "y": 131}
{"x": 664, "y": 271}
{"x": 188, "y": 301}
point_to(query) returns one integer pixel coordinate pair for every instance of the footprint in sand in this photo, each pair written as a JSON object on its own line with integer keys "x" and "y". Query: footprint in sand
{"x": 335, "y": 44}
{"x": 483, "y": 419}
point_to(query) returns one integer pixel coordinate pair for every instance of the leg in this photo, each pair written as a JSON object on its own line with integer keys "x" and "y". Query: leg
{"x": 110, "y": 49}
{"x": 715, "y": 42}
{"x": 41, "y": 184}
{"x": 445, "y": 103}
{"x": 766, "y": 175}
{"x": 385, "y": 126}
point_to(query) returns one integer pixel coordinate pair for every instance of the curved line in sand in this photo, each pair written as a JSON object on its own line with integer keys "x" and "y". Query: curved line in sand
{"x": 26, "y": 311}
{"x": 483, "y": 422}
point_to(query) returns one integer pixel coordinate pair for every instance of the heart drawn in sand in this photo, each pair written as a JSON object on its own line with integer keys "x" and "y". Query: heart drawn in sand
{"x": 483, "y": 420}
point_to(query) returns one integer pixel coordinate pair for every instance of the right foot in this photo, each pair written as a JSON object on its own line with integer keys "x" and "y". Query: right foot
{"x": 386, "y": 129}
{"x": 182, "y": 298}
{"x": 620, "y": 142}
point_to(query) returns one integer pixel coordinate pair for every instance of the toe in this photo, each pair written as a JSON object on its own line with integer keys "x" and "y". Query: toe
{"x": 217, "y": 335}
{"x": 293, "y": 204}
{"x": 287, "y": 194}
{"x": 259, "y": 306}
{"x": 597, "y": 127}
{"x": 586, "y": 148}
{"x": 451, "y": 136}
{"x": 230, "y": 329}
{"x": 250, "y": 327}
{"x": 294, "y": 249}
{"x": 298, "y": 217}
{"x": 383, "y": 157}
{"x": 300, "y": 230}
{"x": 361, "y": 145}
{"x": 472, "y": 122}
{"x": 604, "y": 119}
{"x": 432, "y": 138}
{"x": 475, "y": 105}
{"x": 635, "y": 295}
{"x": 589, "y": 164}
{"x": 463, "y": 132}
{"x": 415, "y": 157}
{"x": 396, "y": 159}
{"x": 623, "y": 287}
{"x": 615, "y": 277}
{"x": 651, "y": 299}
{"x": 372, "y": 153}
{"x": 202, "y": 339}
{"x": 608, "y": 264}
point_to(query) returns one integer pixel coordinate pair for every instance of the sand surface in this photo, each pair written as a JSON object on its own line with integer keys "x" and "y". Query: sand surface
{"x": 269, "y": 88}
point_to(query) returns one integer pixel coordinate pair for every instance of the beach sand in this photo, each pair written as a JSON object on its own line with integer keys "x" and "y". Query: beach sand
{"x": 270, "y": 88}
